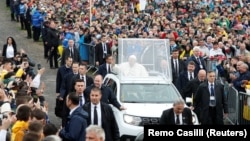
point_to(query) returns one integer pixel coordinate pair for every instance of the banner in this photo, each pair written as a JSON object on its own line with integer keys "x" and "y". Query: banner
{"x": 143, "y": 4}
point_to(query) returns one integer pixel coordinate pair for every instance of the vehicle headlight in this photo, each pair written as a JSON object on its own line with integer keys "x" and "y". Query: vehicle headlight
{"x": 133, "y": 120}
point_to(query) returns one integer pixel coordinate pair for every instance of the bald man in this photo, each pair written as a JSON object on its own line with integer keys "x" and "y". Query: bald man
{"x": 192, "y": 85}
{"x": 107, "y": 94}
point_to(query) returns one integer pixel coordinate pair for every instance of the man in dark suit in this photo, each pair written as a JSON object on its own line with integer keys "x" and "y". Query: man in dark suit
{"x": 199, "y": 61}
{"x": 105, "y": 68}
{"x": 88, "y": 81}
{"x": 178, "y": 115}
{"x": 52, "y": 42}
{"x": 62, "y": 72}
{"x": 177, "y": 66}
{"x": 102, "y": 115}
{"x": 107, "y": 94}
{"x": 191, "y": 88}
{"x": 101, "y": 51}
{"x": 79, "y": 88}
{"x": 76, "y": 124}
{"x": 186, "y": 76}
{"x": 211, "y": 101}
{"x": 72, "y": 52}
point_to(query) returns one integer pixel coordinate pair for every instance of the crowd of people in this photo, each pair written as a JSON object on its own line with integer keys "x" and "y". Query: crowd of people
{"x": 78, "y": 33}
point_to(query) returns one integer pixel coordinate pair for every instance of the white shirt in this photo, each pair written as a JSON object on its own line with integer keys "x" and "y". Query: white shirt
{"x": 72, "y": 110}
{"x": 180, "y": 118}
{"x": 99, "y": 114}
{"x": 107, "y": 67}
{"x": 189, "y": 75}
{"x": 9, "y": 51}
{"x": 209, "y": 86}
{"x": 214, "y": 52}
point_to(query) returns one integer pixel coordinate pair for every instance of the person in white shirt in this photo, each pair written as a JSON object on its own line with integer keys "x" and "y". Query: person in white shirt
{"x": 9, "y": 49}
{"x": 132, "y": 68}
{"x": 216, "y": 51}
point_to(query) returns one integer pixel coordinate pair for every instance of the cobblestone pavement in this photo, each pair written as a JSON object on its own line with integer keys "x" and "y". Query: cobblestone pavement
{"x": 35, "y": 51}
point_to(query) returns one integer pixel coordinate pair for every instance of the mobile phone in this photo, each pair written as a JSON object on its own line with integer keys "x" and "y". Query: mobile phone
{"x": 39, "y": 66}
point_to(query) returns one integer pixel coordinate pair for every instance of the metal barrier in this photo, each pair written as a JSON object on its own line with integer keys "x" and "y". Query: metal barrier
{"x": 244, "y": 109}
{"x": 232, "y": 98}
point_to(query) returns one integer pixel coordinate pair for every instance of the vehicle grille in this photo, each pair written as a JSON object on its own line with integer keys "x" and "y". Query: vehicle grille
{"x": 149, "y": 121}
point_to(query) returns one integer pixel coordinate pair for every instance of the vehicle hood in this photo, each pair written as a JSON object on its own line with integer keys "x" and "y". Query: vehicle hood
{"x": 146, "y": 109}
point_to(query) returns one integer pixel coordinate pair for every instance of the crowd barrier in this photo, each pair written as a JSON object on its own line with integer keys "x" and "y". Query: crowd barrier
{"x": 239, "y": 107}
{"x": 244, "y": 109}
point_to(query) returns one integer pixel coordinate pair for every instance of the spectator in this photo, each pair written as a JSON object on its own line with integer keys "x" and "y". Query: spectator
{"x": 21, "y": 125}
{"x": 49, "y": 129}
{"x": 10, "y": 48}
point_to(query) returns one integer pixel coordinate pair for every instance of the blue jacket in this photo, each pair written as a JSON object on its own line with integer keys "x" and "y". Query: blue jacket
{"x": 74, "y": 129}
{"x": 67, "y": 37}
{"x": 37, "y": 19}
{"x": 22, "y": 8}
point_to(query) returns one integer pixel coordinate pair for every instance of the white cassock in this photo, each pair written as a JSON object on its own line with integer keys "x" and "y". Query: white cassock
{"x": 137, "y": 70}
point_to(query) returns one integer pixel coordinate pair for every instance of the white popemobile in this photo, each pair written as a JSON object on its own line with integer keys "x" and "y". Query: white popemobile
{"x": 142, "y": 82}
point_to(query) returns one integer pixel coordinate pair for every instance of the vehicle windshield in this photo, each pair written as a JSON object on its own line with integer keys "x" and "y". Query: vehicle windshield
{"x": 148, "y": 93}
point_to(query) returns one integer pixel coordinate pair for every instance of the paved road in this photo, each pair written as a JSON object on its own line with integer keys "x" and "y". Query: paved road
{"x": 35, "y": 51}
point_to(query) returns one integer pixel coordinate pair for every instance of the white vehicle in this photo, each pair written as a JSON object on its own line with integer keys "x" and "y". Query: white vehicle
{"x": 145, "y": 94}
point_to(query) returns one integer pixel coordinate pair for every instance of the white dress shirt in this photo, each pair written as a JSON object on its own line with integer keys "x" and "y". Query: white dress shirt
{"x": 83, "y": 77}
{"x": 99, "y": 113}
{"x": 9, "y": 51}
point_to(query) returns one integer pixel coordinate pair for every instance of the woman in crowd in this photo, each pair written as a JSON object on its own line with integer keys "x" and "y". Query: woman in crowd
{"x": 9, "y": 49}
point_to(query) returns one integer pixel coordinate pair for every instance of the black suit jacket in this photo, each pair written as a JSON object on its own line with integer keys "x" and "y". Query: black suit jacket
{"x": 168, "y": 117}
{"x": 5, "y": 49}
{"x": 182, "y": 66}
{"x": 202, "y": 99}
{"x": 103, "y": 70}
{"x": 191, "y": 88}
{"x": 107, "y": 96}
{"x": 61, "y": 73}
{"x": 99, "y": 53}
{"x": 89, "y": 82}
{"x": 109, "y": 123}
{"x": 183, "y": 81}
{"x": 66, "y": 53}
{"x": 197, "y": 66}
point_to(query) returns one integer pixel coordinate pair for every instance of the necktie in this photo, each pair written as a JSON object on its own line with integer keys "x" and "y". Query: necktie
{"x": 80, "y": 100}
{"x": 104, "y": 50}
{"x": 95, "y": 116}
{"x": 177, "y": 122}
{"x": 176, "y": 68}
{"x": 83, "y": 79}
{"x": 71, "y": 53}
{"x": 109, "y": 71}
{"x": 212, "y": 101}
{"x": 191, "y": 76}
